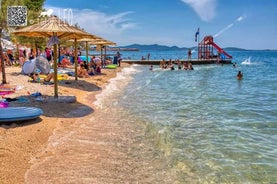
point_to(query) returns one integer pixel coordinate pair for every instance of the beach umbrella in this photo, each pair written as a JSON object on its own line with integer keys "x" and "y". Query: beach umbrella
{"x": 96, "y": 41}
{"x": 102, "y": 43}
{"x": 55, "y": 29}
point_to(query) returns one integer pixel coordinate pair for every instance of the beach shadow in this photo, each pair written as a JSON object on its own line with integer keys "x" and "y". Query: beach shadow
{"x": 50, "y": 109}
{"x": 72, "y": 83}
{"x": 62, "y": 109}
{"x": 54, "y": 108}
{"x": 17, "y": 74}
{"x": 15, "y": 124}
{"x": 80, "y": 85}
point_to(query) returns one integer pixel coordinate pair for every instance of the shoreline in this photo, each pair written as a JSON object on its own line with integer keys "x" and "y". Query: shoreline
{"x": 108, "y": 146}
{"x": 22, "y": 142}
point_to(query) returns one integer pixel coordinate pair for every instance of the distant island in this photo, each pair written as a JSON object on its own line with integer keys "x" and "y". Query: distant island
{"x": 157, "y": 47}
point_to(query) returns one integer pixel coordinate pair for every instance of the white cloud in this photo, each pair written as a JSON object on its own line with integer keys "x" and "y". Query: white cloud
{"x": 95, "y": 22}
{"x": 206, "y": 9}
{"x": 100, "y": 23}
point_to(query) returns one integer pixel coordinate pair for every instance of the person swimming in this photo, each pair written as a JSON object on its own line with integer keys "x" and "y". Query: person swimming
{"x": 239, "y": 75}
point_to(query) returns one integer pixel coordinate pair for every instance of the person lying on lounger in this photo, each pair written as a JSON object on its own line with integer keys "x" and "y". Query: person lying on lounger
{"x": 35, "y": 78}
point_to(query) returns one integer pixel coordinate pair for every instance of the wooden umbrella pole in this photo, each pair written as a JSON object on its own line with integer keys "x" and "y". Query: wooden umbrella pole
{"x": 55, "y": 71}
{"x": 101, "y": 55}
{"x": 75, "y": 59}
{"x": 87, "y": 51}
{"x": 105, "y": 55}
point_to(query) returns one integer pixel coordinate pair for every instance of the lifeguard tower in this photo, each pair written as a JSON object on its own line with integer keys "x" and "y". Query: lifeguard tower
{"x": 206, "y": 49}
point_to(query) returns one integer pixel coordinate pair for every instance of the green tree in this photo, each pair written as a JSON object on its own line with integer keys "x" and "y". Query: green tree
{"x": 33, "y": 8}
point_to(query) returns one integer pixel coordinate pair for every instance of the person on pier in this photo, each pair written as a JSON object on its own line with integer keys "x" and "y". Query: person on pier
{"x": 189, "y": 54}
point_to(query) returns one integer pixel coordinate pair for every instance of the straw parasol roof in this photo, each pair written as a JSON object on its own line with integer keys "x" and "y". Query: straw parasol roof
{"x": 96, "y": 41}
{"x": 53, "y": 27}
{"x": 50, "y": 26}
{"x": 102, "y": 43}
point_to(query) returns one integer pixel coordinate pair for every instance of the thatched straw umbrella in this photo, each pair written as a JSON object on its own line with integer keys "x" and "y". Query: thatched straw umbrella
{"x": 54, "y": 28}
{"x": 96, "y": 41}
{"x": 102, "y": 43}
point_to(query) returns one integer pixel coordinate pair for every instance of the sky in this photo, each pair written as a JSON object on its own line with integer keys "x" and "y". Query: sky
{"x": 248, "y": 24}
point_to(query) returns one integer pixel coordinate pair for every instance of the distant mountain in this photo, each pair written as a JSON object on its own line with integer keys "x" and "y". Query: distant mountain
{"x": 234, "y": 49}
{"x": 157, "y": 47}
{"x": 240, "y": 49}
{"x": 153, "y": 47}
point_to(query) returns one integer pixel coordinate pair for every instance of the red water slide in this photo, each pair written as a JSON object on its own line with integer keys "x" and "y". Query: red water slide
{"x": 220, "y": 50}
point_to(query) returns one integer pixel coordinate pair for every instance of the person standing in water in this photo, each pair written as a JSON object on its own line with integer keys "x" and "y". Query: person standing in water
{"x": 239, "y": 75}
{"x": 151, "y": 68}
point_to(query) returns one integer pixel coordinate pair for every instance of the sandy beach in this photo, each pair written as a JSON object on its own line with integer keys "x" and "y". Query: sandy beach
{"x": 21, "y": 142}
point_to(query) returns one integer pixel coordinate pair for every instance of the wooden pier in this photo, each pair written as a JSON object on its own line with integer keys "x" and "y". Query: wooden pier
{"x": 193, "y": 61}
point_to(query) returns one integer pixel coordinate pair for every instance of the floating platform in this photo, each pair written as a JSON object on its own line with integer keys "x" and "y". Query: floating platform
{"x": 193, "y": 61}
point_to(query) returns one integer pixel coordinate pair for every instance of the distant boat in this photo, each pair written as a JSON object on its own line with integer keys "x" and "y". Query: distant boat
{"x": 247, "y": 61}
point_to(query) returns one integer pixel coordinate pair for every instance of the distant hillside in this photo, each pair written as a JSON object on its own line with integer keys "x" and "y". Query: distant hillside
{"x": 153, "y": 47}
{"x": 240, "y": 49}
{"x": 156, "y": 47}
{"x": 234, "y": 49}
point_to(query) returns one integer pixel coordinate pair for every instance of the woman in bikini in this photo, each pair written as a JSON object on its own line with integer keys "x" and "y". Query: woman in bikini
{"x": 36, "y": 78}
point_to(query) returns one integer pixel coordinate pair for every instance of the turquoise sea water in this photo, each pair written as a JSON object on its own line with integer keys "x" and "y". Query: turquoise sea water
{"x": 211, "y": 127}
{"x": 195, "y": 127}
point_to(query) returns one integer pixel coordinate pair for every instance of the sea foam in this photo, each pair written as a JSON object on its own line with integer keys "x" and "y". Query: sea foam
{"x": 116, "y": 84}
